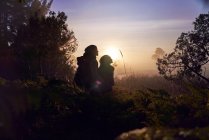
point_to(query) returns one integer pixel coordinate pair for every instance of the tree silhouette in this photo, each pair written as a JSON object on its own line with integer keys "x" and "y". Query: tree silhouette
{"x": 13, "y": 14}
{"x": 159, "y": 53}
{"x": 44, "y": 47}
{"x": 190, "y": 54}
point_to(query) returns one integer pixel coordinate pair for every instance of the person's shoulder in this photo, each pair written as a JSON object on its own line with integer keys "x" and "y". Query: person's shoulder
{"x": 112, "y": 67}
{"x": 80, "y": 60}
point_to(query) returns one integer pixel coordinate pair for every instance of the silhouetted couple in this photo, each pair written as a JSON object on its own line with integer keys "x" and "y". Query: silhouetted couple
{"x": 89, "y": 76}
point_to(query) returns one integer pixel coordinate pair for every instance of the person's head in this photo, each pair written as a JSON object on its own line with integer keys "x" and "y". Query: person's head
{"x": 91, "y": 50}
{"x": 105, "y": 59}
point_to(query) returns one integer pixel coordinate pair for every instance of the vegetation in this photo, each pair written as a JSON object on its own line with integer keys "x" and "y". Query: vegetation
{"x": 143, "y": 82}
{"x": 44, "y": 47}
{"x": 18, "y": 14}
{"x": 159, "y": 53}
{"x": 190, "y": 55}
{"x": 33, "y": 44}
{"x": 13, "y": 15}
{"x": 58, "y": 110}
{"x": 41, "y": 102}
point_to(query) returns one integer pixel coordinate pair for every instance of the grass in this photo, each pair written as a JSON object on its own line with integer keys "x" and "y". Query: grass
{"x": 59, "y": 110}
{"x": 142, "y": 82}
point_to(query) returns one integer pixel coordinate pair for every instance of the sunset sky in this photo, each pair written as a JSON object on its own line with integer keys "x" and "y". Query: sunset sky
{"x": 136, "y": 27}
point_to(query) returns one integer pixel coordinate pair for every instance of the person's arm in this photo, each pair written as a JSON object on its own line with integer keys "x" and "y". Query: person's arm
{"x": 94, "y": 71}
{"x": 112, "y": 76}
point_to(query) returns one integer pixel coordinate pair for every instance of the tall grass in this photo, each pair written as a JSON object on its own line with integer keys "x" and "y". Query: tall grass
{"x": 59, "y": 110}
{"x": 144, "y": 82}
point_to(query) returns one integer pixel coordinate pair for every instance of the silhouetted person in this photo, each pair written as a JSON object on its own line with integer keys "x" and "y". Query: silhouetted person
{"x": 87, "y": 72}
{"x": 106, "y": 72}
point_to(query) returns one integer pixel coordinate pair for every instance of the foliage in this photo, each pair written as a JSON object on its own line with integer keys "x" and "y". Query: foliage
{"x": 39, "y": 7}
{"x": 9, "y": 8}
{"x": 58, "y": 110}
{"x": 44, "y": 47}
{"x": 14, "y": 14}
{"x": 190, "y": 54}
{"x": 142, "y": 82}
{"x": 159, "y": 52}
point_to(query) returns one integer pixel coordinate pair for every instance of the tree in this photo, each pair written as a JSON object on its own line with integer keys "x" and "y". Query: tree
{"x": 44, "y": 47}
{"x": 13, "y": 14}
{"x": 39, "y": 7}
{"x": 159, "y": 53}
{"x": 190, "y": 54}
{"x": 9, "y": 22}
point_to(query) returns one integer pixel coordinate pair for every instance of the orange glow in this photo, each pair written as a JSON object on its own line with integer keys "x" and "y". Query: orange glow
{"x": 114, "y": 53}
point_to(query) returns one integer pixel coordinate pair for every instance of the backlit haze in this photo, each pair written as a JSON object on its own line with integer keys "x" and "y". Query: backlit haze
{"x": 134, "y": 27}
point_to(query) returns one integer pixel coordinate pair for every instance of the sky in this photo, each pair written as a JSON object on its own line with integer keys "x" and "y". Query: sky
{"x": 135, "y": 27}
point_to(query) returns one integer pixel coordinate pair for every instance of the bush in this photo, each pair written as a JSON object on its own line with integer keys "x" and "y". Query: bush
{"x": 59, "y": 110}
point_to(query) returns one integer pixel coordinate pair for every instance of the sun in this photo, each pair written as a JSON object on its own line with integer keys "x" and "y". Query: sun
{"x": 114, "y": 53}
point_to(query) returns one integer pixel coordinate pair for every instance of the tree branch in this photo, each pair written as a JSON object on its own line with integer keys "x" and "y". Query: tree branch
{"x": 203, "y": 77}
